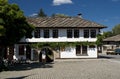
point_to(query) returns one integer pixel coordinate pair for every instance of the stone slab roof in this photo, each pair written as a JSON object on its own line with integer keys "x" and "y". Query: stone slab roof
{"x": 113, "y": 38}
{"x": 67, "y": 22}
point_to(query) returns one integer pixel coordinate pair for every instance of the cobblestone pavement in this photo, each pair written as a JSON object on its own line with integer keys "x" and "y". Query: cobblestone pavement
{"x": 68, "y": 69}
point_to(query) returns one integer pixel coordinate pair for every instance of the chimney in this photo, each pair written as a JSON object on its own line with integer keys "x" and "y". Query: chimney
{"x": 79, "y": 15}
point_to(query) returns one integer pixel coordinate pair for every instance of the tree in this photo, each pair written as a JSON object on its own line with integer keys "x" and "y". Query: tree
{"x": 13, "y": 24}
{"x": 100, "y": 37}
{"x": 107, "y": 34}
{"x": 41, "y": 13}
{"x": 116, "y": 29}
{"x": 2, "y": 29}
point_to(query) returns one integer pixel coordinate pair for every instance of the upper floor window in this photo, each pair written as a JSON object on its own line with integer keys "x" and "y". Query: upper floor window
{"x": 46, "y": 33}
{"x": 76, "y": 33}
{"x": 37, "y": 33}
{"x": 86, "y": 33}
{"x": 93, "y": 33}
{"x": 55, "y": 33}
{"x": 69, "y": 33}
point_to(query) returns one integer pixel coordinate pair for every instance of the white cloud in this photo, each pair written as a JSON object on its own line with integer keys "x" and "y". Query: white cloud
{"x": 59, "y": 2}
{"x": 33, "y": 15}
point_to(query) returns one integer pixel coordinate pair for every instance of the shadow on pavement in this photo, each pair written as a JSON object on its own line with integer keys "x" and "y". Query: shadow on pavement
{"x": 29, "y": 66}
{"x": 105, "y": 57}
{"x": 17, "y": 77}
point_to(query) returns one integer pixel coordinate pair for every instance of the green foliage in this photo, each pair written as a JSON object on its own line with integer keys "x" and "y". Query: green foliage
{"x": 2, "y": 30}
{"x": 107, "y": 34}
{"x": 41, "y": 13}
{"x": 103, "y": 36}
{"x": 100, "y": 39}
{"x": 3, "y": 2}
{"x": 116, "y": 29}
{"x": 59, "y": 44}
{"x": 13, "y": 24}
{"x": 42, "y": 44}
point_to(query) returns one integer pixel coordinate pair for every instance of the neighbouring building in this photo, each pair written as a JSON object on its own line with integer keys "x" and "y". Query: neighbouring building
{"x": 111, "y": 43}
{"x": 60, "y": 30}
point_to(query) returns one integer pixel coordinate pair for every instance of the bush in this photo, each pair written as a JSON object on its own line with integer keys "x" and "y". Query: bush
{"x": 3, "y": 65}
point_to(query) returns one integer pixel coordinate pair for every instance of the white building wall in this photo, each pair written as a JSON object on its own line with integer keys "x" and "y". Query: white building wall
{"x": 92, "y": 53}
{"x": 62, "y": 37}
{"x": 68, "y": 53}
{"x": 15, "y": 56}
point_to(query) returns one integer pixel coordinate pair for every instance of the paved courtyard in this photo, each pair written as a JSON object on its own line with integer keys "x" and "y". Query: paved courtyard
{"x": 66, "y": 69}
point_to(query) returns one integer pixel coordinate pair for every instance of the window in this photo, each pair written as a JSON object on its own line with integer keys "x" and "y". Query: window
{"x": 37, "y": 33}
{"x": 69, "y": 33}
{"x": 93, "y": 33}
{"x": 78, "y": 50}
{"x": 76, "y": 33}
{"x": 21, "y": 50}
{"x": 84, "y": 50}
{"x": 55, "y": 33}
{"x": 46, "y": 33}
{"x": 81, "y": 50}
{"x": 86, "y": 33}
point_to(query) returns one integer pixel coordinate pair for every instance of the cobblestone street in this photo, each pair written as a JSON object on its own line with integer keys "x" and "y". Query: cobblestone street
{"x": 67, "y": 69}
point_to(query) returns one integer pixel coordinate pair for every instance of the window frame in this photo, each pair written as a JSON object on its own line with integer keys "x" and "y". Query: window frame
{"x": 69, "y": 33}
{"x": 78, "y": 50}
{"x": 46, "y": 33}
{"x": 81, "y": 50}
{"x": 93, "y": 33}
{"x": 76, "y": 33}
{"x": 86, "y": 33}
{"x": 55, "y": 33}
{"x": 37, "y": 33}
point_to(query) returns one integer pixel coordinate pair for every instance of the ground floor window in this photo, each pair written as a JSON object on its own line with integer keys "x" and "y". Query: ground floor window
{"x": 84, "y": 50}
{"x": 81, "y": 50}
{"x": 78, "y": 50}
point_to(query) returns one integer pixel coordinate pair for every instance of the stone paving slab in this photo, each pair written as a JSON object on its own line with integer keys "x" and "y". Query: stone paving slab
{"x": 70, "y": 69}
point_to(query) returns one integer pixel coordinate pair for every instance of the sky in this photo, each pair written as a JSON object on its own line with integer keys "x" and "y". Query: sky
{"x": 105, "y": 12}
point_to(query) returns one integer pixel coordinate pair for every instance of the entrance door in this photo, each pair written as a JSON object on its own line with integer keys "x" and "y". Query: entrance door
{"x": 28, "y": 52}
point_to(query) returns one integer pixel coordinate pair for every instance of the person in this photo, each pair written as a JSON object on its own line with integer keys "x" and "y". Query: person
{"x": 43, "y": 56}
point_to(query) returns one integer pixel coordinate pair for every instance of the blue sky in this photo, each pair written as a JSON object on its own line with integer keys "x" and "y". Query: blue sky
{"x": 106, "y": 12}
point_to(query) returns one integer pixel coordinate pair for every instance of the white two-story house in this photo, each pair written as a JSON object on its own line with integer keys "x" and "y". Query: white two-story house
{"x": 61, "y": 30}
